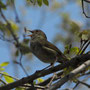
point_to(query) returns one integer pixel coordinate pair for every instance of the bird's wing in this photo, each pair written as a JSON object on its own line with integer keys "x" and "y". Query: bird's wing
{"x": 52, "y": 47}
{"x": 47, "y": 44}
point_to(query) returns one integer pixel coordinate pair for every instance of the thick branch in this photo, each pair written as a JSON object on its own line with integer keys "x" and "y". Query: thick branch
{"x": 29, "y": 79}
{"x": 70, "y": 75}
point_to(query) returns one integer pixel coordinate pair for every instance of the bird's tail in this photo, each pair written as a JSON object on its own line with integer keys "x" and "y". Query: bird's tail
{"x": 62, "y": 58}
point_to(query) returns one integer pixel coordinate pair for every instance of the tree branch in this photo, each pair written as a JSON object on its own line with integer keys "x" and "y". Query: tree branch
{"x": 84, "y": 83}
{"x": 70, "y": 75}
{"x": 85, "y": 47}
{"x": 83, "y": 7}
{"x": 9, "y": 28}
{"x": 73, "y": 62}
{"x": 88, "y": 1}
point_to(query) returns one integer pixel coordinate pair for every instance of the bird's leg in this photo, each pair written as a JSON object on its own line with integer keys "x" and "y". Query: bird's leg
{"x": 51, "y": 65}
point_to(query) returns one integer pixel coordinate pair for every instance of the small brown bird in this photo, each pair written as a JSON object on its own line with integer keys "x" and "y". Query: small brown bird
{"x": 43, "y": 49}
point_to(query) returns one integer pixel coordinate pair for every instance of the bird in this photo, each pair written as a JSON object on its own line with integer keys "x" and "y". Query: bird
{"x": 43, "y": 49}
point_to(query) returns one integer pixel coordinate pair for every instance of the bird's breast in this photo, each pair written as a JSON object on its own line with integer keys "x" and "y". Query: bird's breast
{"x": 44, "y": 54}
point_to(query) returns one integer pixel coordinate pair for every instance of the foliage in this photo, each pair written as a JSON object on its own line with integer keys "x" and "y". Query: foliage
{"x": 73, "y": 35}
{"x": 7, "y": 77}
{"x": 39, "y": 2}
{"x": 2, "y": 5}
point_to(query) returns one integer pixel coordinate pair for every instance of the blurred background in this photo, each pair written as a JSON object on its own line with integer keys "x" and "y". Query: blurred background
{"x": 61, "y": 20}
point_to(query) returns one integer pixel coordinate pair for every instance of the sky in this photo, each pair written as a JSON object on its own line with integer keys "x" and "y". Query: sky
{"x": 31, "y": 18}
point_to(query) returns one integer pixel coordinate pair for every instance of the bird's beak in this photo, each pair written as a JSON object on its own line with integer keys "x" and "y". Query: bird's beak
{"x": 30, "y": 34}
{"x": 28, "y": 31}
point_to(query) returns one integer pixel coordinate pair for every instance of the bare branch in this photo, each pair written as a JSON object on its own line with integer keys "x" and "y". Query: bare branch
{"x": 82, "y": 46}
{"x": 83, "y": 8}
{"x": 79, "y": 82}
{"x": 85, "y": 47}
{"x": 8, "y": 75}
{"x": 58, "y": 75}
{"x": 2, "y": 82}
{"x": 10, "y": 29}
{"x": 88, "y": 1}
{"x": 53, "y": 77}
{"x": 84, "y": 83}
{"x": 70, "y": 75}
{"x": 15, "y": 11}
{"x": 15, "y": 38}
{"x": 21, "y": 65}
{"x": 29, "y": 79}
{"x": 76, "y": 85}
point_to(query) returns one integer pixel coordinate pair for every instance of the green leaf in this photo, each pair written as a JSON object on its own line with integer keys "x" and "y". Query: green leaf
{"x": 74, "y": 50}
{"x": 34, "y": 82}
{"x": 40, "y": 80}
{"x": 85, "y": 34}
{"x": 46, "y": 2}
{"x": 4, "y": 64}
{"x": 17, "y": 53}
{"x": 3, "y": 26}
{"x": 2, "y": 5}
{"x": 8, "y": 78}
{"x": 14, "y": 26}
{"x": 67, "y": 70}
{"x": 39, "y": 2}
{"x": 2, "y": 69}
{"x": 67, "y": 49}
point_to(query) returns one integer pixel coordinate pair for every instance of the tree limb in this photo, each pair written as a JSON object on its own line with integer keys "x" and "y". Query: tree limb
{"x": 84, "y": 83}
{"x": 83, "y": 7}
{"x": 70, "y": 75}
{"x": 74, "y": 61}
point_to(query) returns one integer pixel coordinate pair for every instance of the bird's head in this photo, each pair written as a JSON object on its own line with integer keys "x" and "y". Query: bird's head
{"x": 37, "y": 34}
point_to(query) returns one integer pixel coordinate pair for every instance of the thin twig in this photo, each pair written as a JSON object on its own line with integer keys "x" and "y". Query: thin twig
{"x": 9, "y": 28}
{"x": 17, "y": 18}
{"x": 15, "y": 38}
{"x": 3, "y": 82}
{"x": 5, "y": 39}
{"x": 72, "y": 74}
{"x": 36, "y": 75}
{"x": 45, "y": 82}
{"x": 83, "y": 9}
{"x": 87, "y": 1}
{"x": 82, "y": 46}
{"x": 76, "y": 85}
{"x": 85, "y": 48}
{"x": 83, "y": 83}
{"x": 20, "y": 63}
{"x": 51, "y": 79}
{"x": 78, "y": 82}
{"x": 8, "y": 75}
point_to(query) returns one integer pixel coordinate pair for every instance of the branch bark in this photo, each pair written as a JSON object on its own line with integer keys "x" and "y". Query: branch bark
{"x": 88, "y": 85}
{"x": 69, "y": 76}
{"x": 73, "y": 62}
